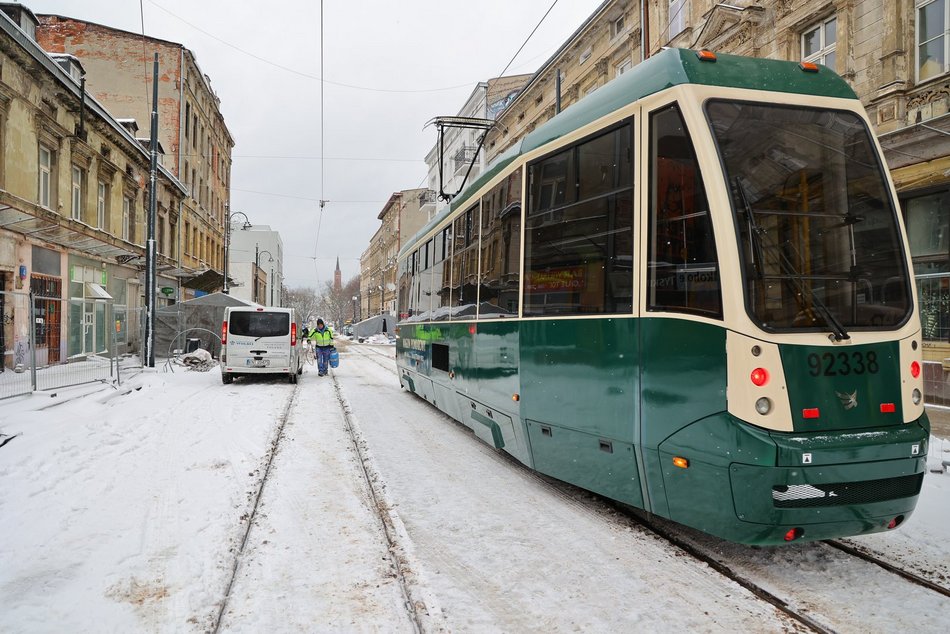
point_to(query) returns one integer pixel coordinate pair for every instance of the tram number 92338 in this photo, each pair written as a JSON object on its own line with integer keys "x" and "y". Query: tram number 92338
{"x": 842, "y": 363}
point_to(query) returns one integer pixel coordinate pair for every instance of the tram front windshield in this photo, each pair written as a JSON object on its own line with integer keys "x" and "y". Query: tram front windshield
{"x": 818, "y": 232}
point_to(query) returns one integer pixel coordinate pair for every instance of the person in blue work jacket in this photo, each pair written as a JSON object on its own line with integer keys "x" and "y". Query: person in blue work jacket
{"x": 322, "y": 338}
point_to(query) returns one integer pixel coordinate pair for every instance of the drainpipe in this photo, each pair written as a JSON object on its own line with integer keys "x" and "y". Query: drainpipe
{"x": 644, "y": 30}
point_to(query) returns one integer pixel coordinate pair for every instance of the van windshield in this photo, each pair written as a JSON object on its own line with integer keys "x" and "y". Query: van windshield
{"x": 259, "y": 324}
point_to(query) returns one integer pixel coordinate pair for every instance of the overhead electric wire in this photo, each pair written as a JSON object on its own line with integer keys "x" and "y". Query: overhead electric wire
{"x": 300, "y": 73}
{"x": 525, "y": 43}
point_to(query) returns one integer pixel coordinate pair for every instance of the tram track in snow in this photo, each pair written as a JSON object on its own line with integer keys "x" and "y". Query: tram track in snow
{"x": 249, "y": 518}
{"x": 904, "y": 574}
{"x": 416, "y": 607}
{"x": 677, "y": 536}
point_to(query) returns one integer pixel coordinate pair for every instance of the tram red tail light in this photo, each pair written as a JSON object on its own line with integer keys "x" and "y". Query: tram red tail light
{"x": 811, "y": 412}
{"x": 915, "y": 369}
{"x": 894, "y": 523}
{"x": 888, "y": 408}
{"x": 679, "y": 461}
{"x": 471, "y": 329}
{"x": 759, "y": 376}
{"x": 793, "y": 534}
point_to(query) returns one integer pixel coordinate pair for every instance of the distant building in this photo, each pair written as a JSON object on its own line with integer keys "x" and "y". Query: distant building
{"x": 401, "y": 217}
{"x": 337, "y": 277}
{"x": 191, "y": 127}
{"x": 256, "y": 264}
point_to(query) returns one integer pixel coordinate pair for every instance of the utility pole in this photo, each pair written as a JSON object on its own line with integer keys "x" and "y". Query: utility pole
{"x": 150, "y": 281}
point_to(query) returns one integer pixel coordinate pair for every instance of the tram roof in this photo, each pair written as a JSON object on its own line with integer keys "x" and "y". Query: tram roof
{"x": 668, "y": 68}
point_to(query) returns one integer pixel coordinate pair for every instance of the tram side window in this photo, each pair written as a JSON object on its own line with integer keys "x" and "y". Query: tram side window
{"x": 501, "y": 250}
{"x": 465, "y": 265}
{"x": 579, "y": 229}
{"x": 683, "y": 268}
{"x": 440, "y": 280}
{"x": 425, "y": 281}
{"x": 414, "y": 288}
{"x": 404, "y": 285}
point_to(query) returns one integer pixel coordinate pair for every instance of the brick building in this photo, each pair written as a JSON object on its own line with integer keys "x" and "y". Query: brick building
{"x": 192, "y": 130}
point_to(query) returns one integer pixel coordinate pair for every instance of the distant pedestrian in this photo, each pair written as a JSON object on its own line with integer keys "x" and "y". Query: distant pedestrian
{"x": 322, "y": 338}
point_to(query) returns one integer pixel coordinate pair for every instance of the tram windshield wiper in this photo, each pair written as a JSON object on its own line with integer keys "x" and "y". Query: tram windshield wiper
{"x": 758, "y": 237}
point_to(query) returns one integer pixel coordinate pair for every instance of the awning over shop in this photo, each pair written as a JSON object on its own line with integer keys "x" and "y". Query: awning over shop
{"x": 95, "y": 291}
{"x": 208, "y": 281}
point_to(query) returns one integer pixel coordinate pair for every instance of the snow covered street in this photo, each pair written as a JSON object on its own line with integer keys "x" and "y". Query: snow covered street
{"x": 345, "y": 504}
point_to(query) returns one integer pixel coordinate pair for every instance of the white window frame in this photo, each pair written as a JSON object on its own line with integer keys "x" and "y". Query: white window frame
{"x": 126, "y": 216}
{"x": 584, "y": 56}
{"x": 44, "y": 181}
{"x": 824, "y": 49}
{"x": 76, "y": 198}
{"x": 945, "y": 34}
{"x": 676, "y": 22}
{"x": 623, "y": 67}
{"x": 101, "y": 205}
{"x": 617, "y": 26}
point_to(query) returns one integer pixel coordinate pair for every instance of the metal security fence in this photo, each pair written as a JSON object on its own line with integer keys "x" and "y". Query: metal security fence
{"x": 15, "y": 340}
{"x": 51, "y": 343}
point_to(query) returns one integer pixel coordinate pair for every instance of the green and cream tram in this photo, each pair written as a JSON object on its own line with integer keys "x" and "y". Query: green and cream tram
{"x": 689, "y": 292}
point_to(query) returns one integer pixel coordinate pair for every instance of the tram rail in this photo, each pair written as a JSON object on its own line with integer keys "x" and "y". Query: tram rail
{"x": 905, "y": 574}
{"x": 250, "y": 517}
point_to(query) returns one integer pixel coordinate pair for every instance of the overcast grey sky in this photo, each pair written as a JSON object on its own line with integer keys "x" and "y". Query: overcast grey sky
{"x": 403, "y": 62}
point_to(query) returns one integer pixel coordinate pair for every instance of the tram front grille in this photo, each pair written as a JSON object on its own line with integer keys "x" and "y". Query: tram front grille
{"x": 864, "y": 492}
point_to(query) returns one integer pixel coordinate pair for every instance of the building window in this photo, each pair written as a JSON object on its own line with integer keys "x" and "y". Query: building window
{"x": 585, "y": 55}
{"x": 616, "y": 27}
{"x": 77, "y": 193}
{"x": 678, "y": 12}
{"x": 928, "y": 217}
{"x": 932, "y": 41}
{"x": 622, "y": 67}
{"x": 45, "y": 182}
{"x": 127, "y": 219}
{"x": 101, "y": 197}
{"x": 818, "y": 43}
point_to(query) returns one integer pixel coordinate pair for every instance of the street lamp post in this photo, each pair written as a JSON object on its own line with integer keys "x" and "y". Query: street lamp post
{"x": 354, "y": 308}
{"x": 227, "y": 243}
{"x": 257, "y": 259}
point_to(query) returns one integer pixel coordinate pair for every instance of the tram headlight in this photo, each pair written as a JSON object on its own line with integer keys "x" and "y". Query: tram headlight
{"x": 916, "y": 396}
{"x": 763, "y": 405}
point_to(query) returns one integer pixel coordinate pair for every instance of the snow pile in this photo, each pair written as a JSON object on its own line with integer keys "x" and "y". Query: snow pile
{"x": 200, "y": 360}
{"x": 379, "y": 340}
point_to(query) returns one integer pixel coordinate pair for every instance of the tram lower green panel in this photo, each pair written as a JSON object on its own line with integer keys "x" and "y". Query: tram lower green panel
{"x": 604, "y": 466}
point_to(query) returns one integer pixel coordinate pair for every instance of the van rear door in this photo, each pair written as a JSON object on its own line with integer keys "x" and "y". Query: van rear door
{"x": 259, "y": 339}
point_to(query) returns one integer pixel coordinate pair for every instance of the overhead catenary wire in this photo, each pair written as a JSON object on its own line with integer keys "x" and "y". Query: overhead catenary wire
{"x": 527, "y": 39}
{"x": 301, "y": 73}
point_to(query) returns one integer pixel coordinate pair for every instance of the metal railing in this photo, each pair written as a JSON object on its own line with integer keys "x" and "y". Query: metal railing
{"x": 50, "y": 343}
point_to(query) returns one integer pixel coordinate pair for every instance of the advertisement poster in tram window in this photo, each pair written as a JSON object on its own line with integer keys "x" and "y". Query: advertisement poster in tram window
{"x": 569, "y": 279}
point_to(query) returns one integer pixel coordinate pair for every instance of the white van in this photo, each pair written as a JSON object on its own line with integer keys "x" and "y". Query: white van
{"x": 259, "y": 340}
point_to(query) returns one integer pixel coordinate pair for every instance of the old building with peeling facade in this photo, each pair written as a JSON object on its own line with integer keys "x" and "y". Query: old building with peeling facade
{"x": 73, "y": 200}
{"x": 191, "y": 127}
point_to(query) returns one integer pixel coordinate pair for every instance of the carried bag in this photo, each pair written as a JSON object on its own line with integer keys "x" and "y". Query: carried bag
{"x": 334, "y": 357}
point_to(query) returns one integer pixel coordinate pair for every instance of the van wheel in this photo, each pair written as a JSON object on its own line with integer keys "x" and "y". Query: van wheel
{"x": 227, "y": 377}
